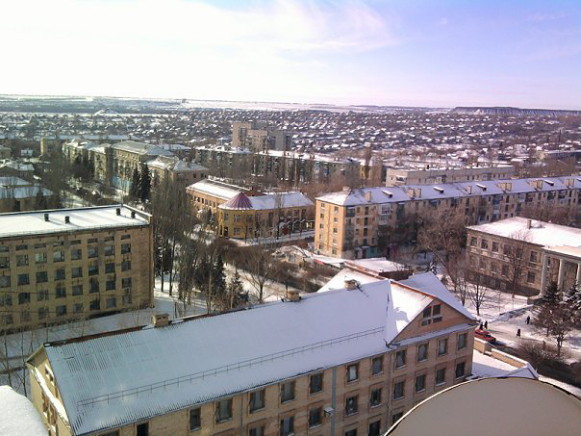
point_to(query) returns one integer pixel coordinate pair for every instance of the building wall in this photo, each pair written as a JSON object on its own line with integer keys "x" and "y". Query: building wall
{"x": 38, "y": 288}
{"x": 401, "y": 176}
{"x": 337, "y": 390}
{"x": 338, "y": 234}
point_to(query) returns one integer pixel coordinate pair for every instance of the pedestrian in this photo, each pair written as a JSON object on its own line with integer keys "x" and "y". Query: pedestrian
{"x": 481, "y": 326}
{"x": 486, "y": 325}
{"x": 528, "y": 319}
{"x": 518, "y": 333}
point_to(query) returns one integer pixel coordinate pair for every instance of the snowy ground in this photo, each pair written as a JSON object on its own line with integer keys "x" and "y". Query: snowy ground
{"x": 20, "y": 345}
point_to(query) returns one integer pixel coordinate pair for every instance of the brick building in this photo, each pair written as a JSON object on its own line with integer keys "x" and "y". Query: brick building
{"x": 66, "y": 264}
{"x": 349, "y": 361}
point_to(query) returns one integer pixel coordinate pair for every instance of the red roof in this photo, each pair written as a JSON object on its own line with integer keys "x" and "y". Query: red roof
{"x": 240, "y": 201}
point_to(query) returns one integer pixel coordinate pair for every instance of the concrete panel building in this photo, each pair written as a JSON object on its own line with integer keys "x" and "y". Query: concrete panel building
{"x": 350, "y": 361}
{"x": 66, "y": 264}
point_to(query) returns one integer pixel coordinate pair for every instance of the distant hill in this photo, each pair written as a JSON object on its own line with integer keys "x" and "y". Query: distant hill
{"x": 511, "y": 111}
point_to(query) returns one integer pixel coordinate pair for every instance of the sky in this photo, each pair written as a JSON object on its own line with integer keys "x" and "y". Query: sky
{"x": 441, "y": 53}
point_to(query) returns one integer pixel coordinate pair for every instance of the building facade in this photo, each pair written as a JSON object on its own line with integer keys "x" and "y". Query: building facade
{"x": 331, "y": 364}
{"x": 522, "y": 255}
{"x": 350, "y": 223}
{"x": 434, "y": 174}
{"x": 268, "y": 215}
{"x": 68, "y": 264}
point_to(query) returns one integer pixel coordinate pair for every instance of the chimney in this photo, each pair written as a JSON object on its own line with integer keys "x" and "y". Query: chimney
{"x": 132, "y": 214}
{"x": 118, "y": 210}
{"x": 160, "y": 319}
{"x": 293, "y": 295}
{"x": 529, "y": 223}
{"x": 46, "y": 217}
{"x": 67, "y": 219}
{"x": 351, "y": 284}
{"x": 368, "y": 196}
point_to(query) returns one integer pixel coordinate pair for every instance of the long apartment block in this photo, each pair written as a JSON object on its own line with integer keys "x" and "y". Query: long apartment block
{"x": 65, "y": 264}
{"x": 348, "y": 224}
{"x": 343, "y": 362}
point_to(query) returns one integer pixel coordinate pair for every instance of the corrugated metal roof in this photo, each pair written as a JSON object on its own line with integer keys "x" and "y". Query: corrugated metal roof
{"x": 111, "y": 381}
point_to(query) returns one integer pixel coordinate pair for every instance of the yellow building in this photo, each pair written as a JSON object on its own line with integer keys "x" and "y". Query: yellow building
{"x": 350, "y": 223}
{"x": 350, "y": 361}
{"x": 60, "y": 265}
{"x": 268, "y": 215}
{"x": 206, "y": 195}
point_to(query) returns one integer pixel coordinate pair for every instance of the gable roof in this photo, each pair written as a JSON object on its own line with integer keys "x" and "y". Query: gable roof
{"x": 110, "y": 381}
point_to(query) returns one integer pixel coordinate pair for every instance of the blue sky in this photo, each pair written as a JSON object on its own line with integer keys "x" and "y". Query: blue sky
{"x": 385, "y": 52}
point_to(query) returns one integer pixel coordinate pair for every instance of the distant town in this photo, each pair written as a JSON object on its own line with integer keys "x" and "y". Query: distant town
{"x": 212, "y": 267}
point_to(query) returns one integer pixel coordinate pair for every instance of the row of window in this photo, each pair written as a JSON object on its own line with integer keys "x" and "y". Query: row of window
{"x": 422, "y": 350}
{"x": 77, "y": 272}
{"x": 507, "y": 249}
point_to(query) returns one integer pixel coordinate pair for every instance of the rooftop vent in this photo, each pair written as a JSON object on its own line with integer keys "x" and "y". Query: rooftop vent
{"x": 293, "y": 295}
{"x": 440, "y": 190}
{"x": 118, "y": 211}
{"x": 67, "y": 219}
{"x": 481, "y": 186}
{"x": 160, "y": 319}
{"x": 46, "y": 217}
{"x": 351, "y": 284}
{"x": 132, "y": 214}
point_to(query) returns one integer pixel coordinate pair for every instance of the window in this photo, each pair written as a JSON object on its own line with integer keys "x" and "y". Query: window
{"x": 400, "y": 357}
{"x": 462, "y": 340}
{"x": 58, "y": 256}
{"x": 78, "y": 290}
{"x": 256, "y": 431}
{"x": 142, "y": 429}
{"x": 421, "y": 383}
{"x": 25, "y": 316}
{"x": 484, "y": 244}
{"x": 4, "y": 262}
{"x": 4, "y": 281}
{"x": 92, "y": 252}
{"x": 534, "y": 257}
{"x": 374, "y": 428}
{"x": 495, "y": 247}
{"x": 60, "y": 292}
{"x": 5, "y": 300}
{"x": 21, "y": 247}
{"x": 126, "y": 265}
{"x": 126, "y": 282}
{"x": 42, "y": 295}
{"x": 195, "y": 418}
{"x": 78, "y": 308}
{"x": 375, "y": 398}
{"x": 442, "y": 347}
{"x": 351, "y": 432}
{"x": 316, "y": 383}
{"x": 505, "y": 270}
{"x": 109, "y": 268}
{"x": 42, "y": 312}
{"x": 351, "y": 406}
{"x": 352, "y": 372}
{"x": 125, "y": 236}
{"x": 473, "y": 241}
{"x": 41, "y": 277}
{"x": 110, "y": 302}
{"x": 440, "y": 376}
{"x": 93, "y": 286}
{"x": 287, "y": 391}
{"x": 22, "y": 260}
{"x": 432, "y": 314}
{"x": 109, "y": 250}
{"x": 95, "y": 305}
{"x": 7, "y": 319}
{"x": 531, "y": 277}
{"x": 110, "y": 285}
{"x": 76, "y": 272}
{"x": 24, "y": 298}
{"x": 396, "y": 417}
{"x": 287, "y": 426}
{"x": 315, "y": 416}
{"x": 377, "y": 365}
{"x": 59, "y": 274}
{"x": 256, "y": 401}
{"x": 460, "y": 367}
{"x": 223, "y": 410}
{"x": 93, "y": 269}
{"x": 61, "y": 310}
{"x": 76, "y": 253}
{"x": 422, "y": 352}
{"x": 125, "y": 248}
{"x": 398, "y": 390}
{"x": 23, "y": 279}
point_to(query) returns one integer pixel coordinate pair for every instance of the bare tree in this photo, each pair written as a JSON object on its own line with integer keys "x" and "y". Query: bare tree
{"x": 515, "y": 262}
{"x": 259, "y": 268}
{"x": 478, "y": 290}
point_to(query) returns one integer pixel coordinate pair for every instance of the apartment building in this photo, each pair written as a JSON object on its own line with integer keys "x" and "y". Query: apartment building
{"x": 349, "y": 223}
{"x": 344, "y": 362}
{"x": 66, "y": 264}
{"x": 258, "y": 136}
{"x": 17, "y": 194}
{"x": 431, "y": 174}
{"x": 206, "y": 195}
{"x": 267, "y": 215}
{"x": 523, "y": 255}
{"x": 179, "y": 172}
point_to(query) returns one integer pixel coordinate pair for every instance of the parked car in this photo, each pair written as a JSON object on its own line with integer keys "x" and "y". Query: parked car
{"x": 484, "y": 335}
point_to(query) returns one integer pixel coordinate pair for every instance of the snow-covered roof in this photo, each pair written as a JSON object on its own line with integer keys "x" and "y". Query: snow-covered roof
{"x": 175, "y": 164}
{"x": 21, "y": 192}
{"x": 22, "y": 223}
{"x": 216, "y": 188}
{"x": 484, "y": 365}
{"x": 282, "y": 200}
{"x": 338, "y": 280}
{"x": 395, "y": 194}
{"x": 18, "y": 417}
{"x": 13, "y": 181}
{"x": 109, "y": 381}
{"x": 141, "y": 148}
{"x": 376, "y": 265}
{"x": 539, "y": 232}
